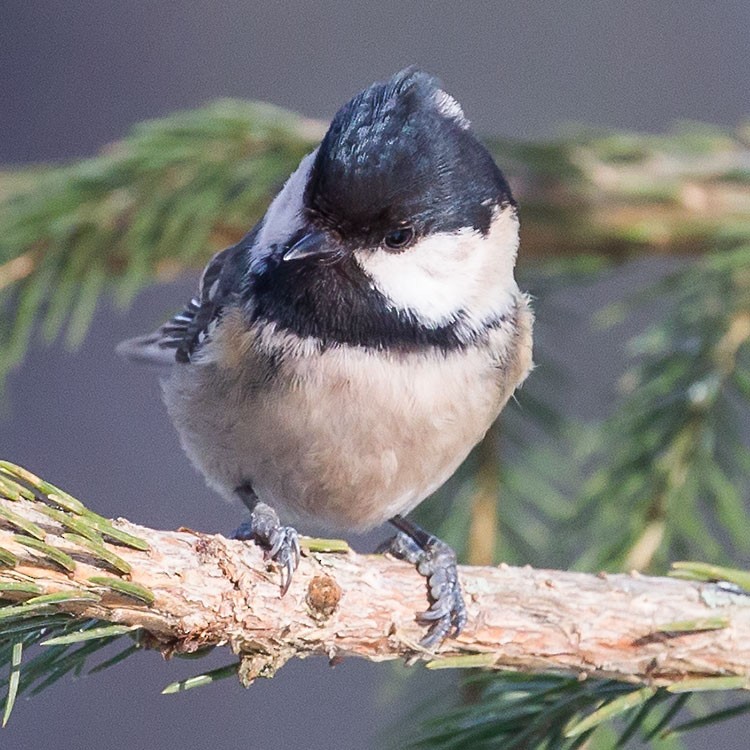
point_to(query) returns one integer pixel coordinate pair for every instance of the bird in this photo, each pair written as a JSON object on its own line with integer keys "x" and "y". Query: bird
{"x": 339, "y": 363}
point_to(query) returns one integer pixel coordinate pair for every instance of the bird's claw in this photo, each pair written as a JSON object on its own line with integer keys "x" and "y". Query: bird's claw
{"x": 285, "y": 552}
{"x": 281, "y": 543}
{"x": 446, "y": 615}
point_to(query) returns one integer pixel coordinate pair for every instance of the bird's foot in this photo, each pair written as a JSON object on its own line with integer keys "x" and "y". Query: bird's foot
{"x": 436, "y": 561}
{"x": 280, "y": 543}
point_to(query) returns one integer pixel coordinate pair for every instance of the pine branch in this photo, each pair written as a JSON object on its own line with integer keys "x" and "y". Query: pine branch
{"x": 187, "y": 591}
{"x": 619, "y": 193}
{"x": 178, "y": 189}
{"x": 159, "y": 201}
{"x": 673, "y": 459}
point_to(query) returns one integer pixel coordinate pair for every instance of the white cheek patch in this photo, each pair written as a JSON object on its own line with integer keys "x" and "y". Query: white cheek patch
{"x": 449, "y": 273}
{"x": 284, "y": 215}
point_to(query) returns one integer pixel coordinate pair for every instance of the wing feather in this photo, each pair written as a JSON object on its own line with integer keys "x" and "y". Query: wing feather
{"x": 183, "y": 334}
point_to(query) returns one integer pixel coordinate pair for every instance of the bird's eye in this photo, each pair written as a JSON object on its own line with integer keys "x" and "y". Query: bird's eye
{"x": 399, "y": 238}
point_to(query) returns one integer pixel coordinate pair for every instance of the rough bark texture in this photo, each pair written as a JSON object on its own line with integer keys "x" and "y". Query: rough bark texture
{"x": 211, "y": 590}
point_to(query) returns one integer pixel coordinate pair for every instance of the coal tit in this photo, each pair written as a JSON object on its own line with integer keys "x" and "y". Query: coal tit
{"x": 340, "y": 361}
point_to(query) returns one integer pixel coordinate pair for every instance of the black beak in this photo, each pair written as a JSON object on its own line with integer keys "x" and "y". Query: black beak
{"x": 314, "y": 244}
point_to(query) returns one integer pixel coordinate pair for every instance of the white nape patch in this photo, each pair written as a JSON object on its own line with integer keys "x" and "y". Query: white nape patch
{"x": 447, "y": 273}
{"x": 284, "y": 215}
{"x": 450, "y": 108}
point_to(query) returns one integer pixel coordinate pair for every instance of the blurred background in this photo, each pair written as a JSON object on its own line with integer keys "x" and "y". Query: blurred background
{"x": 77, "y": 76}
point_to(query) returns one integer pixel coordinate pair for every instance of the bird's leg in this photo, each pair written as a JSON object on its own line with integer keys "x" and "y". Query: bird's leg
{"x": 436, "y": 561}
{"x": 281, "y": 543}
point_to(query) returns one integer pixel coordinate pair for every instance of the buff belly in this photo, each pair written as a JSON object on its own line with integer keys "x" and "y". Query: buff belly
{"x": 342, "y": 438}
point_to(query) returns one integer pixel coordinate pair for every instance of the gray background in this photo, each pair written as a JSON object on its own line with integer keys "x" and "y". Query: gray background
{"x": 75, "y": 76}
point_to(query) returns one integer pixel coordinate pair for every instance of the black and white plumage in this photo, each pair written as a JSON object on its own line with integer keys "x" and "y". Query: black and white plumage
{"x": 340, "y": 361}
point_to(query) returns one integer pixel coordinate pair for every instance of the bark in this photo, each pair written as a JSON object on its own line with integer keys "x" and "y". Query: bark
{"x": 211, "y": 591}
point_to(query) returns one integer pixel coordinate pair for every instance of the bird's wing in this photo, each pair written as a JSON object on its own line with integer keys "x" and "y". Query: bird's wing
{"x": 183, "y": 335}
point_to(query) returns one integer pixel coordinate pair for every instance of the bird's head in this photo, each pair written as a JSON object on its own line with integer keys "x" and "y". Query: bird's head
{"x": 402, "y": 194}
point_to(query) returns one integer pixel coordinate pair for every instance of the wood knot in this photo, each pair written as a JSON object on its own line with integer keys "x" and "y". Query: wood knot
{"x": 323, "y": 597}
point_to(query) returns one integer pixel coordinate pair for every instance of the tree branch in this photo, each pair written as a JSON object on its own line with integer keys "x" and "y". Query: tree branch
{"x": 175, "y": 190}
{"x": 209, "y": 590}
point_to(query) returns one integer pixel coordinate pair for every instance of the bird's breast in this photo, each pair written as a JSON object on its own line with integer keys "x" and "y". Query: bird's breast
{"x": 343, "y": 436}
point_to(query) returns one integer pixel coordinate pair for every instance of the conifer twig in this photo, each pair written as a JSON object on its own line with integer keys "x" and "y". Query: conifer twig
{"x": 208, "y": 590}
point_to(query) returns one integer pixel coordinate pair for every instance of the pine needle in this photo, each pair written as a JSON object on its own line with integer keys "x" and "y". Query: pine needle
{"x": 105, "y": 631}
{"x": 15, "y": 675}
{"x": 201, "y": 680}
